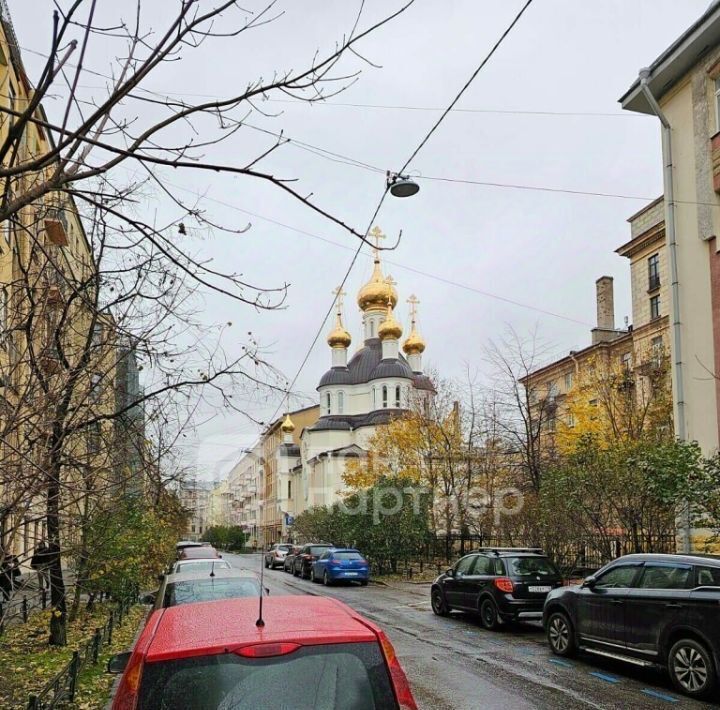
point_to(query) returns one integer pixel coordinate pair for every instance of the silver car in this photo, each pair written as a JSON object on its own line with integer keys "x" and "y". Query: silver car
{"x": 199, "y": 566}
{"x": 275, "y": 556}
{"x": 190, "y": 587}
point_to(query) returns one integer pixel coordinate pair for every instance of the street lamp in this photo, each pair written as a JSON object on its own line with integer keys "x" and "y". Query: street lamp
{"x": 401, "y": 185}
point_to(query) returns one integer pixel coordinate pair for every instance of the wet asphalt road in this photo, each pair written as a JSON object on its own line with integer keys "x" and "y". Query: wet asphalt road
{"x": 454, "y": 664}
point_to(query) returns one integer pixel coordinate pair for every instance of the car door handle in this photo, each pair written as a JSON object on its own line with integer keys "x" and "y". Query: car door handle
{"x": 618, "y": 602}
{"x": 674, "y": 605}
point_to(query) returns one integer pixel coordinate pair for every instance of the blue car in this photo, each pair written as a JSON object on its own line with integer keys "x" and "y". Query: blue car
{"x": 340, "y": 565}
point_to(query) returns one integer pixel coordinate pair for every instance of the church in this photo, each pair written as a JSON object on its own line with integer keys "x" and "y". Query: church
{"x": 357, "y": 395}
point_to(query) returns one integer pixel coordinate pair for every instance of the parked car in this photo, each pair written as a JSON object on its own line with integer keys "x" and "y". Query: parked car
{"x": 199, "y": 565}
{"x": 306, "y": 556}
{"x": 289, "y": 560}
{"x": 649, "y": 610}
{"x": 275, "y": 556}
{"x": 190, "y": 587}
{"x": 311, "y": 652}
{"x": 500, "y": 584}
{"x": 202, "y": 552}
{"x": 337, "y": 565}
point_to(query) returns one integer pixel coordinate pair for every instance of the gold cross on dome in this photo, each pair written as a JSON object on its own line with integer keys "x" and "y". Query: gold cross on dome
{"x": 377, "y": 234}
{"x": 414, "y": 302}
{"x": 339, "y": 294}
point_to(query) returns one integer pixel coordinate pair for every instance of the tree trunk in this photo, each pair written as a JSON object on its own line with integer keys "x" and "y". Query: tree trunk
{"x": 58, "y": 618}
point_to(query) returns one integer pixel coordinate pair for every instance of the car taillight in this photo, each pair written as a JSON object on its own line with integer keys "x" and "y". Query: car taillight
{"x": 265, "y": 650}
{"x": 126, "y": 697}
{"x": 505, "y": 584}
{"x": 397, "y": 674}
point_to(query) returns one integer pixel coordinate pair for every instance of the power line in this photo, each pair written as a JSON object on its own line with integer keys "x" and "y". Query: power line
{"x": 467, "y": 84}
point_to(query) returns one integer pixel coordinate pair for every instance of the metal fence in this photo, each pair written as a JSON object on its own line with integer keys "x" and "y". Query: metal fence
{"x": 21, "y": 604}
{"x": 61, "y": 688}
{"x": 574, "y": 557}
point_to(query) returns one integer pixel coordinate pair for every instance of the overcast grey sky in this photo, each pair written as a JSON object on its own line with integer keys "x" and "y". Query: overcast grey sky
{"x": 541, "y": 249}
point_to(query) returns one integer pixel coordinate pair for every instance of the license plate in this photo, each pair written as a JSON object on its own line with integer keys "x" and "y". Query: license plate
{"x": 539, "y": 590}
{"x": 351, "y": 574}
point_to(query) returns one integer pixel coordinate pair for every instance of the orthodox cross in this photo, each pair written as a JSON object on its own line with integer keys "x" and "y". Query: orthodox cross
{"x": 414, "y": 302}
{"x": 377, "y": 234}
{"x": 339, "y": 294}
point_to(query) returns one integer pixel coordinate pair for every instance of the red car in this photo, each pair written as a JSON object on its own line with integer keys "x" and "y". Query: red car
{"x": 312, "y": 653}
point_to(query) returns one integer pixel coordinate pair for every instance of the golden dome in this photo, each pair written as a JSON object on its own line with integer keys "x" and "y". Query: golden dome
{"x": 377, "y": 292}
{"x": 390, "y": 329}
{"x": 414, "y": 344}
{"x": 287, "y": 426}
{"x": 339, "y": 337}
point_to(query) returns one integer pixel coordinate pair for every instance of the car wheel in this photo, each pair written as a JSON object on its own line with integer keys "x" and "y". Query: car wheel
{"x": 489, "y": 615}
{"x": 691, "y": 669}
{"x": 326, "y": 579}
{"x": 295, "y": 572}
{"x": 437, "y": 602}
{"x": 266, "y": 564}
{"x": 312, "y": 575}
{"x": 560, "y": 634}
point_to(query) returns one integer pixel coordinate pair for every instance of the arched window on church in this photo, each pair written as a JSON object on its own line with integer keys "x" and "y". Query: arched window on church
{"x": 372, "y": 328}
{"x": 374, "y": 397}
{"x": 340, "y": 402}
{"x": 384, "y": 391}
{"x": 328, "y": 404}
{"x": 397, "y": 396}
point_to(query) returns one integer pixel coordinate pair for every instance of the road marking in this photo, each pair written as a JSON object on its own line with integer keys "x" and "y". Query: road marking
{"x": 558, "y": 662}
{"x": 661, "y": 696}
{"x": 604, "y": 676}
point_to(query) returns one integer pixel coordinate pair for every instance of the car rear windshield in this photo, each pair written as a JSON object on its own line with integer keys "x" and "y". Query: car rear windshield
{"x": 319, "y": 549}
{"x": 204, "y": 590}
{"x": 285, "y": 547}
{"x": 201, "y": 565}
{"x": 347, "y": 556}
{"x": 349, "y": 676}
{"x": 531, "y": 567}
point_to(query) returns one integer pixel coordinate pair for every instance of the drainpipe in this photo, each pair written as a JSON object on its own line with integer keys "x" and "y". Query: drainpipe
{"x": 669, "y": 188}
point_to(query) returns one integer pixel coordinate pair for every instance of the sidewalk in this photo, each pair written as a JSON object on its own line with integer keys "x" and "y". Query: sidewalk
{"x": 27, "y": 587}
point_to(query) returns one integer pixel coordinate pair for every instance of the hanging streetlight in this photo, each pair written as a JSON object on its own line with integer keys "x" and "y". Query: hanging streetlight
{"x": 401, "y": 185}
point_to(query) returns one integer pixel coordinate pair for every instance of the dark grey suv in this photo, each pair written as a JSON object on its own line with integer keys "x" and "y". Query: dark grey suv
{"x": 648, "y": 610}
{"x": 500, "y": 584}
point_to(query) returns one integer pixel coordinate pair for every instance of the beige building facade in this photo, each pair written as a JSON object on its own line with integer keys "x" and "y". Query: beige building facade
{"x": 682, "y": 88}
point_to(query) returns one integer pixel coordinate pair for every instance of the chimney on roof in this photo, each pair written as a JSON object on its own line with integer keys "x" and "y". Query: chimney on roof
{"x": 605, "y": 329}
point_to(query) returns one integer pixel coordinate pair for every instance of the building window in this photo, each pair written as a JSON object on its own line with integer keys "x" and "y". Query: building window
{"x": 385, "y": 396}
{"x": 552, "y": 390}
{"x": 340, "y": 402}
{"x": 289, "y": 489}
{"x": 570, "y": 419}
{"x": 397, "y": 396}
{"x": 95, "y": 387}
{"x": 568, "y": 381}
{"x": 654, "y": 272}
{"x": 328, "y": 404}
{"x": 654, "y": 307}
{"x": 97, "y": 335}
{"x": 658, "y": 350}
{"x": 374, "y": 397}
{"x": 625, "y": 361}
{"x": 372, "y": 328}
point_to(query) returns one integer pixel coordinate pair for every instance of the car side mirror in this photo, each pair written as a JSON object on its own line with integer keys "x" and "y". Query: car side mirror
{"x": 267, "y": 591}
{"x": 117, "y": 663}
{"x": 589, "y": 582}
{"x": 149, "y": 598}
{"x": 450, "y": 572}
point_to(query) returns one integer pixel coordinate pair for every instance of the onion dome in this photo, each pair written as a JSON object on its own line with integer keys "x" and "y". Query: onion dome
{"x": 414, "y": 344}
{"x": 377, "y": 292}
{"x": 390, "y": 329}
{"x": 287, "y": 426}
{"x": 338, "y": 336}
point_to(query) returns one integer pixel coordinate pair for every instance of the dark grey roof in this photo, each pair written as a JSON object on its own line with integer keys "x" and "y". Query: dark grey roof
{"x": 336, "y": 376}
{"x": 366, "y": 365}
{"x": 423, "y": 382}
{"x": 339, "y": 422}
{"x": 391, "y": 368}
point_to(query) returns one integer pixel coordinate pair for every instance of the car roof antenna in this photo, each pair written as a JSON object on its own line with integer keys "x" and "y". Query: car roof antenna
{"x": 260, "y": 623}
